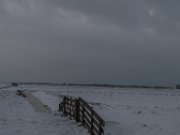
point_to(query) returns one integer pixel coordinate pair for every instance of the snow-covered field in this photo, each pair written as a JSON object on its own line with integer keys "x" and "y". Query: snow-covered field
{"x": 125, "y": 111}
{"x": 18, "y": 117}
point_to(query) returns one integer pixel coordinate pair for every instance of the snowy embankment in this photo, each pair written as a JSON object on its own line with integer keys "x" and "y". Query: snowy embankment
{"x": 18, "y": 117}
{"x": 126, "y": 111}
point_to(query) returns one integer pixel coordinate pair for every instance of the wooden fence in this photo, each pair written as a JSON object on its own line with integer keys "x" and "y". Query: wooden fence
{"x": 79, "y": 110}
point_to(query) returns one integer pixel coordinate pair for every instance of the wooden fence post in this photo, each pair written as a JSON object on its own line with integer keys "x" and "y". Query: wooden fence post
{"x": 83, "y": 111}
{"x": 92, "y": 121}
{"x": 70, "y": 107}
{"x": 100, "y": 128}
{"x": 64, "y": 105}
{"x": 77, "y": 110}
{"x": 60, "y": 107}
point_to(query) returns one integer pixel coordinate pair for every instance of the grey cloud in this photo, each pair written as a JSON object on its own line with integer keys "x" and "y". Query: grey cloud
{"x": 94, "y": 41}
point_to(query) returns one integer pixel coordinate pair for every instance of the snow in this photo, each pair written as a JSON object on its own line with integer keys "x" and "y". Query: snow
{"x": 37, "y": 103}
{"x": 125, "y": 111}
{"x": 5, "y": 85}
{"x": 128, "y": 111}
{"x": 18, "y": 117}
{"x": 50, "y": 100}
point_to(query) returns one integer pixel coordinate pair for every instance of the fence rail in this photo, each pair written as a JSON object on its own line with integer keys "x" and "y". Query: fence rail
{"x": 79, "y": 110}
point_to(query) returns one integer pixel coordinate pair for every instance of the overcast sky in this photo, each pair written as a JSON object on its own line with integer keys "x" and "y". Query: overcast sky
{"x": 90, "y": 41}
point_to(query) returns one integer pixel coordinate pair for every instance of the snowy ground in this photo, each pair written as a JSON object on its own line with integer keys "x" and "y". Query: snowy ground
{"x": 126, "y": 111}
{"x": 18, "y": 117}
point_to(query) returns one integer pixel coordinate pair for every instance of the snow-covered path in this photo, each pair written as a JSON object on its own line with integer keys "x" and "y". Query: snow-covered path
{"x": 18, "y": 117}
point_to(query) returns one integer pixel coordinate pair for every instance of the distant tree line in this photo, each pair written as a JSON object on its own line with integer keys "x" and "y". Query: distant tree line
{"x": 178, "y": 86}
{"x": 99, "y": 85}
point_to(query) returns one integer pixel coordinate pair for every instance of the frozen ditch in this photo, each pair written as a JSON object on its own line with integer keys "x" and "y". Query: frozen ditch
{"x": 18, "y": 117}
{"x": 36, "y": 103}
